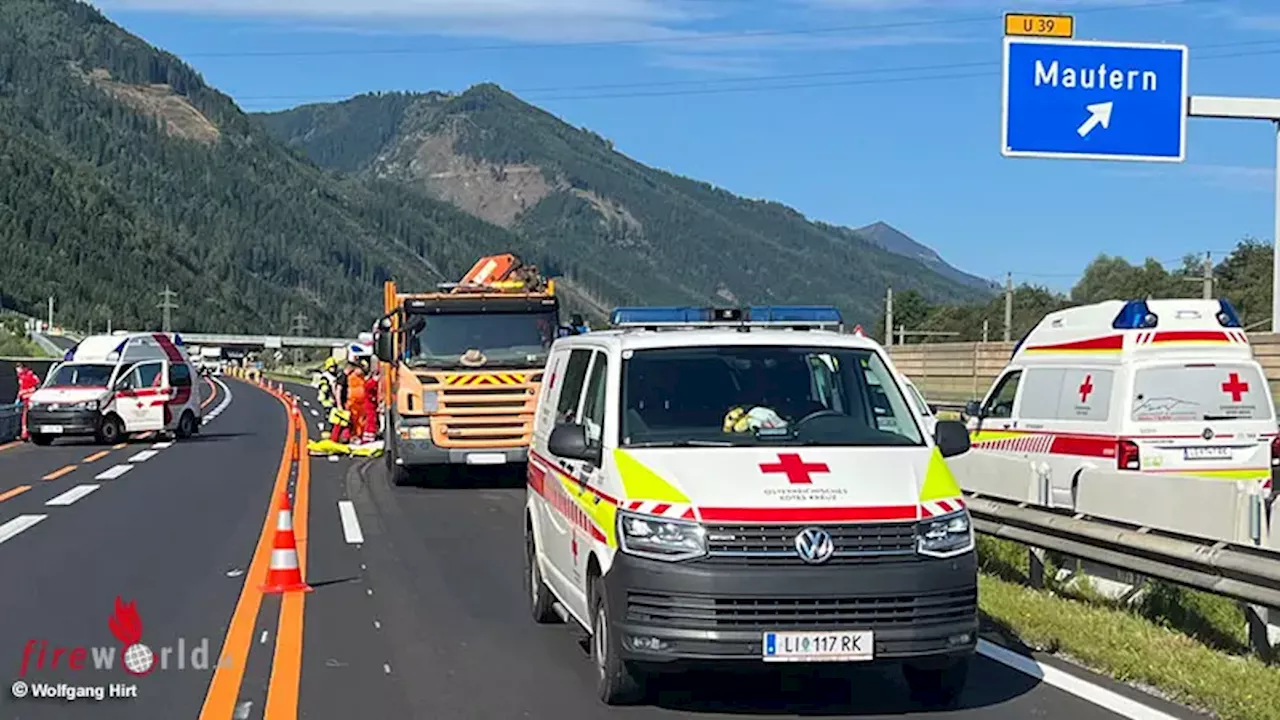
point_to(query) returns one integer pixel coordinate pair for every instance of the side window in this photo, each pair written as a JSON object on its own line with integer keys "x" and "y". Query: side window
{"x": 575, "y": 374}
{"x": 1001, "y": 403}
{"x": 179, "y": 375}
{"x": 1041, "y": 393}
{"x": 128, "y": 379}
{"x": 593, "y": 401}
{"x": 149, "y": 374}
{"x": 1086, "y": 394}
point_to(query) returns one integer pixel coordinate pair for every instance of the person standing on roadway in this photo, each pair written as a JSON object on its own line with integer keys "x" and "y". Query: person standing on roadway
{"x": 28, "y": 383}
{"x": 370, "y": 404}
{"x": 356, "y": 398}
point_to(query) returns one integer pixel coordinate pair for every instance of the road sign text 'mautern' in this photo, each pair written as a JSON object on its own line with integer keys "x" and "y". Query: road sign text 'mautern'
{"x": 1094, "y": 100}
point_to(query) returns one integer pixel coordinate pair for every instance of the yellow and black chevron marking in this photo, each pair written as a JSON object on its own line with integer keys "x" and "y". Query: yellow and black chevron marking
{"x": 488, "y": 379}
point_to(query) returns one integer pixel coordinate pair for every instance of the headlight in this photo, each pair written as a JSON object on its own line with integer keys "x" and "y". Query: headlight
{"x": 660, "y": 538}
{"x": 86, "y": 405}
{"x": 945, "y": 536}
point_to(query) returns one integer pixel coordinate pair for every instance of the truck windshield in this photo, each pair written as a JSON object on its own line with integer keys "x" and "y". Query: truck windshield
{"x": 762, "y": 395}
{"x": 80, "y": 375}
{"x": 1195, "y": 392}
{"x": 498, "y": 339}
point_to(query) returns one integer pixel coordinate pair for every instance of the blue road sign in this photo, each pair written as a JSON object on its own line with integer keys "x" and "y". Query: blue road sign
{"x": 1094, "y": 100}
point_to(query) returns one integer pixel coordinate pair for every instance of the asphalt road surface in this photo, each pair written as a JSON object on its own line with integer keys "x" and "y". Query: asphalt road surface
{"x": 417, "y": 608}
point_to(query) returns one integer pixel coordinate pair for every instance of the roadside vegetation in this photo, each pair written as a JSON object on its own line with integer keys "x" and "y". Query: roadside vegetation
{"x": 14, "y": 342}
{"x": 1188, "y": 646}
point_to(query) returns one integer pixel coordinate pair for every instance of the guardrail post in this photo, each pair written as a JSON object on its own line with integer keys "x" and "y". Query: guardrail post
{"x": 1035, "y": 567}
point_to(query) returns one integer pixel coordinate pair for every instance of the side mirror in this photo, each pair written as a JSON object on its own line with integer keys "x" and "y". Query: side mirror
{"x": 973, "y": 408}
{"x": 382, "y": 347}
{"x": 933, "y": 409}
{"x": 570, "y": 441}
{"x": 951, "y": 437}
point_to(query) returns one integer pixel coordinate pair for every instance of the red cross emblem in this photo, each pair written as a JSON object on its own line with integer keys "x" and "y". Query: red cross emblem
{"x": 1085, "y": 388}
{"x": 1235, "y": 387}
{"x": 797, "y": 470}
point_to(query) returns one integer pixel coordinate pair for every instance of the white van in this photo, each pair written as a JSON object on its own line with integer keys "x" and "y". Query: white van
{"x": 112, "y": 386}
{"x": 926, "y": 411}
{"x": 742, "y": 487}
{"x": 1142, "y": 411}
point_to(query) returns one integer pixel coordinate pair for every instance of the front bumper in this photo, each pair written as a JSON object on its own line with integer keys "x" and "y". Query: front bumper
{"x": 704, "y": 613}
{"x": 419, "y": 453}
{"x": 71, "y": 422}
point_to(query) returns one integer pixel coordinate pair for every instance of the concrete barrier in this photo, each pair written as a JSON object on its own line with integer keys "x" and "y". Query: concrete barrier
{"x": 10, "y": 422}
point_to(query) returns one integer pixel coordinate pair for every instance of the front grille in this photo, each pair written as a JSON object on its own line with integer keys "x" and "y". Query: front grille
{"x": 696, "y": 612}
{"x": 775, "y": 544}
{"x": 485, "y": 415}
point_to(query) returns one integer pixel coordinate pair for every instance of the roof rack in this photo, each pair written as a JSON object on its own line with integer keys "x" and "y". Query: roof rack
{"x": 800, "y": 317}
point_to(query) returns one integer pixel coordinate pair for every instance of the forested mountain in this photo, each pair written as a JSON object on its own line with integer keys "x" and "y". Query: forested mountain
{"x": 122, "y": 172}
{"x": 621, "y": 231}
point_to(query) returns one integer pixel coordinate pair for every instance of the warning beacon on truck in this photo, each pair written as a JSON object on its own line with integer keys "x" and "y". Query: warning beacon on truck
{"x": 745, "y": 486}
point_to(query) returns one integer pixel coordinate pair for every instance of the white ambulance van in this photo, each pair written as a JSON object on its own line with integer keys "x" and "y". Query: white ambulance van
{"x": 112, "y": 386}
{"x": 1126, "y": 410}
{"x": 746, "y": 486}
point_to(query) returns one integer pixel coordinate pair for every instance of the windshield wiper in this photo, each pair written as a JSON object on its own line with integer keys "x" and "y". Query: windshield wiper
{"x": 684, "y": 443}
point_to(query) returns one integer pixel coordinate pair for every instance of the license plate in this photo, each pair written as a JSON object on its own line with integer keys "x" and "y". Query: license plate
{"x": 1206, "y": 453}
{"x": 50, "y": 429}
{"x": 486, "y": 459}
{"x": 842, "y": 646}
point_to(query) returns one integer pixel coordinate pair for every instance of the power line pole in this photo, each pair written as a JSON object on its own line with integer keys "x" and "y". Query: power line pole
{"x": 50, "y": 312}
{"x": 299, "y": 329}
{"x": 1008, "y": 307}
{"x": 1207, "y": 276}
{"x": 888, "y": 317}
{"x": 168, "y": 304}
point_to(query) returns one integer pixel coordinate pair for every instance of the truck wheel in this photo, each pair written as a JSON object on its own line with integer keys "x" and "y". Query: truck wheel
{"x": 110, "y": 430}
{"x": 186, "y": 425}
{"x": 937, "y": 684}
{"x": 398, "y": 474}
{"x": 41, "y": 440}
{"x": 538, "y": 592}
{"x": 617, "y": 681}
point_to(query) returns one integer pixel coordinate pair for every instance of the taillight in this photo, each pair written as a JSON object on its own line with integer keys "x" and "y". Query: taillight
{"x": 1127, "y": 455}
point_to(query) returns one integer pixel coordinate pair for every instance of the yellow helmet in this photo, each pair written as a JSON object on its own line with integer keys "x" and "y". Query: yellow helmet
{"x": 330, "y": 363}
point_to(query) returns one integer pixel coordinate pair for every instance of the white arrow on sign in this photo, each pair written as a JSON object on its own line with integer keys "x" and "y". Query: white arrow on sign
{"x": 1099, "y": 114}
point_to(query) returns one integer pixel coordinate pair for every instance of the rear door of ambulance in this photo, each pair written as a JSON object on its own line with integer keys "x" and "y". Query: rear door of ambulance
{"x": 1199, "y": 418}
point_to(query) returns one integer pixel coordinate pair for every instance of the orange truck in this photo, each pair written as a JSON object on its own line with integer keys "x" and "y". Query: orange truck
{"x": 462, "y": 367}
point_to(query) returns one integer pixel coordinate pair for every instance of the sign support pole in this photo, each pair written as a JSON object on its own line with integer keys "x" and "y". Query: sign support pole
{"x": 1247, "y": 108}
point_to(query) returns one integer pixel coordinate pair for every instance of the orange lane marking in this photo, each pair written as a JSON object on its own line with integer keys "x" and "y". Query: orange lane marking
{"x": 213, "y": 393}
{"x": 224, "y": 688}
{"x": 14, "y": 492}
{"x": 97, "y": 456}
{"x": 286, "y": 664}
{"x": 13, "y": 444}
{"x": 121, "y": 446}
{"x": 60, "y": 472}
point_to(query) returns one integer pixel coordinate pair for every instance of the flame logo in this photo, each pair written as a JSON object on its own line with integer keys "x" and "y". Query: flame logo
{"x": 125, "y": 623}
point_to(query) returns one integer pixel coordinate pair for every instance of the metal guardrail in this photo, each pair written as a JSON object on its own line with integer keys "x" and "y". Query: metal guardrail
{"x": 10, "y": 422}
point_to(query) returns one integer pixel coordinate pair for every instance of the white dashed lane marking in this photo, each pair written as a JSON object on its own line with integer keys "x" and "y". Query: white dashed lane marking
{"x": 144, "y": 456}
{"x": 11, "y": 529}
{"x": 72, "y": 495}
{"x": 113, "y": 473}
{"x": 350, "y": 523}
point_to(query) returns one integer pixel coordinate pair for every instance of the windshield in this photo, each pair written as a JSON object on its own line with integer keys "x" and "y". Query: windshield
{"x": 80, "y": 376}
{"x": 917, "y": 399}
{"x": 1196, "y": 392}
{"x": 483, "y": 340}
{"x": 762, "y": 395}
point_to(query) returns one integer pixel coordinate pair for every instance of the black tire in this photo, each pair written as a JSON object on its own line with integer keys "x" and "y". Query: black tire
{"x": 617, "y": 681}
{"x": 110, "y": 430}
{"x": 400, "y": 477}
{"x": 186, "y": 425}
{"x": 937, "y": 684}
{"x": 41, "y": 440}
{"x": 541, "y": 601}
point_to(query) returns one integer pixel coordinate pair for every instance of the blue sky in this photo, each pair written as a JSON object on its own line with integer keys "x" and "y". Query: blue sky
{"x": 851, "y": 111}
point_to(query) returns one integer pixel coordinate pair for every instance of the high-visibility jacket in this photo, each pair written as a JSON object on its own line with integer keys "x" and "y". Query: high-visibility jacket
{"x": 28, "y": 383}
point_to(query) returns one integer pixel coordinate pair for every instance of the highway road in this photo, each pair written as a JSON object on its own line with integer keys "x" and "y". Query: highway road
{"x": 417, "y": 609}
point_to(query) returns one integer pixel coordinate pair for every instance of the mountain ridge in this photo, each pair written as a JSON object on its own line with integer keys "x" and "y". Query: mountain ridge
{"x": 600, "y": 215}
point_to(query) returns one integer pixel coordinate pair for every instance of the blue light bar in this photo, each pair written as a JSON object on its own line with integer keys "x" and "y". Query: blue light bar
{"x": 1227, "y": 316}
{"x": 785, "y": 315}
{"x": 1135, "y": 316}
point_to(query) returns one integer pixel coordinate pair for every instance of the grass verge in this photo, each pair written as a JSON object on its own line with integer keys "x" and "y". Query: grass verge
{"x": 1190, "y": 646}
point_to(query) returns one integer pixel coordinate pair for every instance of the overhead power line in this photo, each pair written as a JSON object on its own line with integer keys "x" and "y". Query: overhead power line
{"x": 721, "y": 86}
{"x": 691, "y": 37}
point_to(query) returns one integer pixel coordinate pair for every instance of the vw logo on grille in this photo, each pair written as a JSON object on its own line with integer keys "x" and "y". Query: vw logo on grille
{"x": 814, "y": 545}
{"x": 1207, "y": 434}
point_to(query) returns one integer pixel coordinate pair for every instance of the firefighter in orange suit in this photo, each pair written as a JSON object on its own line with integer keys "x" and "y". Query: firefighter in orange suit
{"x": 370, "y": 406}
{"x": 357, "y": 398}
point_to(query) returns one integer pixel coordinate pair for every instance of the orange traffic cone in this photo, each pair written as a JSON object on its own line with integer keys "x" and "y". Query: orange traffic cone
{"x": 284, "y": 574}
